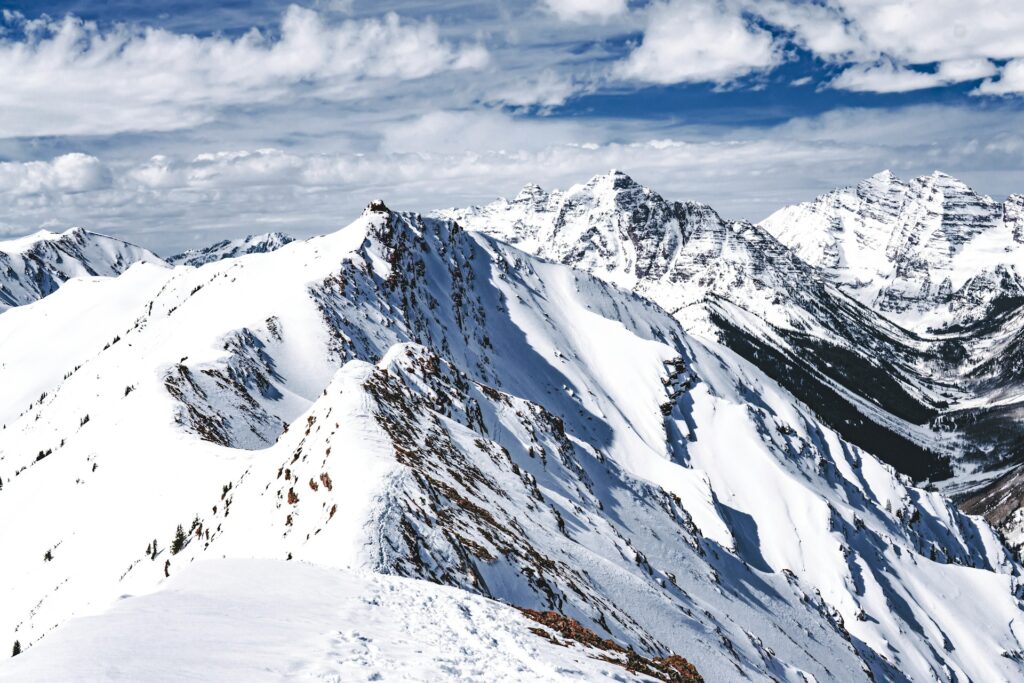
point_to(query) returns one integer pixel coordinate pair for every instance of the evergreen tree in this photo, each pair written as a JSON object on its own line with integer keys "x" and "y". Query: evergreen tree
{"x": 179, "y": 541}
{"x": 153, "y": 556}
{"x": 17, "y": 648}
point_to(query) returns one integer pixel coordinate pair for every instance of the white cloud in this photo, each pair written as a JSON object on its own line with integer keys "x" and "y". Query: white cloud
{"x": 886, "y": 45}
{"x": 688, "y": 41}
{"x": 586, "y": 10}
{"x": 548, "y": 89}
{"x": 969, "y": 69}
{"x": 69, "y": 77}
{"x": 68, "y": 174}
{"x": 886, "y": 77}
{"x": 819, "y": 28}
{"x": 1011, "y": 80}
{"x": 928, "y": 31}
{"x": 903, "y": 45}
{"x": 883, "y": 77}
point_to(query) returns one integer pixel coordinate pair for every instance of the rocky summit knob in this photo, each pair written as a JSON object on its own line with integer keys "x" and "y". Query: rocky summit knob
{"x": 378, "y": 206}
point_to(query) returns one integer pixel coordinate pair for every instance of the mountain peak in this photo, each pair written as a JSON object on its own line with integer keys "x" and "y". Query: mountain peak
{"x": 531, "y": 192}
{"x": 944, "y": 179}
{"x": 617, "y": 179}
{"x": 378, "y": 206}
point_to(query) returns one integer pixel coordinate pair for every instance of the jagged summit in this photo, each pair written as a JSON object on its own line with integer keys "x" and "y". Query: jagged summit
{"x": 910, "y": 250}
{"x": 530, "y": 192}
{"x": 628, "y": 234}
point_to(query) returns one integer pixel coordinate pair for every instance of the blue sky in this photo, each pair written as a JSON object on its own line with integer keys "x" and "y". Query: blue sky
{"x": 181, "y": 124}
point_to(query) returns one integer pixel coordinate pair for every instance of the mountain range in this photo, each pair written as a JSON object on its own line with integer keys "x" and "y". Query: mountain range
{"x": 675, "y": 437}
{"x": 832, "y": 299}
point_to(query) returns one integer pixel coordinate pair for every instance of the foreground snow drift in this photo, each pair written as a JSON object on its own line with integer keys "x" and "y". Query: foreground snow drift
{"x": 264, "y": 620}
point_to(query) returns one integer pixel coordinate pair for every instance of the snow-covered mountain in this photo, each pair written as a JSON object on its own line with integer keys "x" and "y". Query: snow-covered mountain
{"x": 406, "y": 397}
{"x": 942, "y": 406}
{"x": 34, "y": 266}
{"x": 929, "y": 253}
{"x": 938, "y": 258}
{"x": 251, "y": 244}
{"x": 733, "y": 282}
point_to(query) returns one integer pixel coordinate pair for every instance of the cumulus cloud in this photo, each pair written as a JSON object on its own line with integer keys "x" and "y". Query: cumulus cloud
{"x": 819, "y": 28}
{"x": 928, "y": 31}
{"x": 68, "y": 76}
{"x": 1010, "y": 82}
{"x": 69, "y": 173}
{"x": 903, "y": 45}
{"x": 696, "y": 40}
{"x": 548, "y": 89}
{"x": 885, "y": 45}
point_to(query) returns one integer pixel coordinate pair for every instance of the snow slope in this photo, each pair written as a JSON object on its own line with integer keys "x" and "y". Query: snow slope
{"x": 938, "y": 258}
{"x": 266, "y": 620}
{"x": 34, "y": 266}
{"x": 251, "y": 244}
{"x": 818, "y": 310}
{"x": 406, "y": 397}
{"x": 734, "y": 283}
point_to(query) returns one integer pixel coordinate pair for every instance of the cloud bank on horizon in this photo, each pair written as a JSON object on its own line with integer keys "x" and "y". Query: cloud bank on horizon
{"x": 187, "y": 124}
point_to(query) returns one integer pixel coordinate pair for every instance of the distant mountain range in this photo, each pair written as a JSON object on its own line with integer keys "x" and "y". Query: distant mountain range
{"x": 663, "y": 433}
{"x": 252, "y": 244}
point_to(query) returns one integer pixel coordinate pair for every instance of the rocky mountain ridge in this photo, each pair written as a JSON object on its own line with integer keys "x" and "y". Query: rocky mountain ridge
{"x": 407, "y": 397}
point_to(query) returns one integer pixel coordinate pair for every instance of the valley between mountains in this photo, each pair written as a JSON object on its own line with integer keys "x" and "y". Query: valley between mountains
{"x": 591, "y": 433}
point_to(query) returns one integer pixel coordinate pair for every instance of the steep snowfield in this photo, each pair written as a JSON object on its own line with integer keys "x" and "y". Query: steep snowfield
{"x": 34, "y": 266}
{"x": 73, "y": 328}
{"x": 936, "y": 257}
{"x": 406, "y": 397}
{"x": 734, "y": 283}
{"x": 943, "y": 406}
{"x": 264, "y": 620}
{"x": 919, "y": 252}
{"x": 251, "y": 244}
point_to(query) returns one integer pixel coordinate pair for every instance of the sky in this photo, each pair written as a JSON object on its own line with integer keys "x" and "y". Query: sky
{"x": 174, "y": 125}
